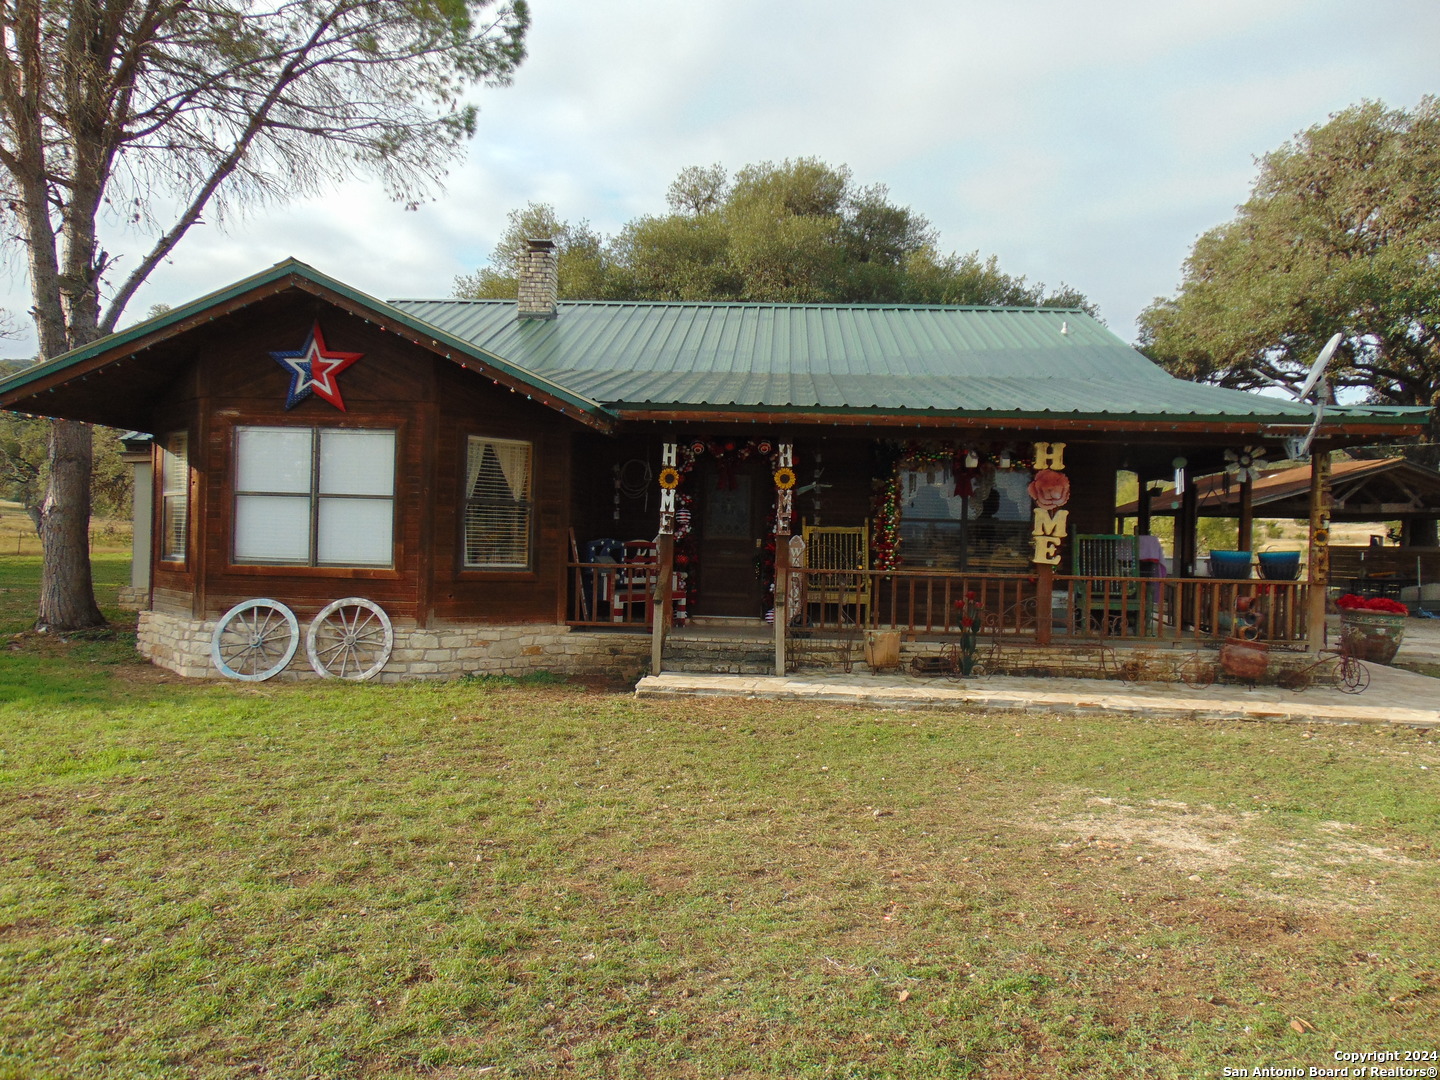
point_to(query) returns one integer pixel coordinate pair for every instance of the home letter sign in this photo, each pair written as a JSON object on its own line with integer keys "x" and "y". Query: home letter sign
{"x": 1049, "y": 490}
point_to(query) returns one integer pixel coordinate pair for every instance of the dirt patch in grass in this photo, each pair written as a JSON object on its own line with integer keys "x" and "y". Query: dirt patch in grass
{"x": 1327, "y": 866}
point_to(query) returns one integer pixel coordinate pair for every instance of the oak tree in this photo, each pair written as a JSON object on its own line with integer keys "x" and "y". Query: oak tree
{"x": 124, "y": 118}
{"x": 1341, "y": 233}
{"x": 801, "y": 231}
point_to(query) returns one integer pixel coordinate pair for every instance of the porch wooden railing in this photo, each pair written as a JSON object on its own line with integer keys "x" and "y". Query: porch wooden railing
{"x": 1179, "y": 609}
{"x": 612, "y": 594}
{"x": 926, "y": 602}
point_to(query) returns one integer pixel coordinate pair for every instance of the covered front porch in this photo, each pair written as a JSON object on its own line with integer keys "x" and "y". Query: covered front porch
{"x": 809, "y": 543}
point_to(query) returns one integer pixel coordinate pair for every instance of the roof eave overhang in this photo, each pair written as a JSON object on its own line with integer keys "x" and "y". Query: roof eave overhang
{"x": 1271, "y": 427}
{"x": 18, "y": 393}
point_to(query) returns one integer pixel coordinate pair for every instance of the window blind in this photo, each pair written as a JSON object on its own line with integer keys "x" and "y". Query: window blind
{"x": 174, "y": 497}
{"x": 498, "y": 506}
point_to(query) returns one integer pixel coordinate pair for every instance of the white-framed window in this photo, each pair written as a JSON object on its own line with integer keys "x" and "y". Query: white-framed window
{"x": 499, "y": 478}
{"x": 314, "y": 496}
{"x": 174, "y": 496}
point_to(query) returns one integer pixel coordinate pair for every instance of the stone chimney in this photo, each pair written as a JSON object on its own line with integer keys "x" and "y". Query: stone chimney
{"x": 539, "y": 277}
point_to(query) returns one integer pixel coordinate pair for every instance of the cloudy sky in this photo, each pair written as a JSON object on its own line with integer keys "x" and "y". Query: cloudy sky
{"x": 1088, "y": 143}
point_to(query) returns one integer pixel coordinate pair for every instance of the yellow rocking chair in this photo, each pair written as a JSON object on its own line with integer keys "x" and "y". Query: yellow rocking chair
{"x": 843, "y": 554}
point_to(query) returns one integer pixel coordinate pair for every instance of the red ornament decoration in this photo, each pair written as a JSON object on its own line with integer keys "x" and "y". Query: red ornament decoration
{"x": 1049, "y": 489}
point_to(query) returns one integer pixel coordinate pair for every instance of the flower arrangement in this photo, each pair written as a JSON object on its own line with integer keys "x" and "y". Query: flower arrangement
{"x": 1376, "y": 605}
{"x": 970, "y": 615}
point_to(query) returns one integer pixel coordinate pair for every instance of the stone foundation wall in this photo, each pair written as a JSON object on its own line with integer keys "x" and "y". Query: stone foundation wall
{"x": 132, "y": 597}
{"x": 183, "y": 646}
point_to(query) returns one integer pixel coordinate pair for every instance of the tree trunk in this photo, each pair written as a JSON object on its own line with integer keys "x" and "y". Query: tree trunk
{"x": 67, "y": 595}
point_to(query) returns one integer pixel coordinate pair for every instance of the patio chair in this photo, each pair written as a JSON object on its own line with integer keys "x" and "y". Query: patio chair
{"x": 634, "y": 585}
{"x": 1107, "y": 605}
{"x": 843, "y": 553}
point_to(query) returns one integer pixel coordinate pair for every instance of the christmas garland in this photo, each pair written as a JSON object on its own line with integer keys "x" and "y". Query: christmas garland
{"x": 727, "y": 454}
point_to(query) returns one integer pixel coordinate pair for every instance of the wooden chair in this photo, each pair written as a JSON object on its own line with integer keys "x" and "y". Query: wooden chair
{"x": 634, "y": 585}
{"x": 844, "y": 554}
{"x": 1107, "y": 605}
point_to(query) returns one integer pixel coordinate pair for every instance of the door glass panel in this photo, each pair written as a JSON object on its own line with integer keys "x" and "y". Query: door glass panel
{"x": 727, "y": 509}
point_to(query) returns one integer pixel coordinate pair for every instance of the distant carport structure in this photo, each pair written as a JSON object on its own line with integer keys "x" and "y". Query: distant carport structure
{"x": 1384, "y": 489}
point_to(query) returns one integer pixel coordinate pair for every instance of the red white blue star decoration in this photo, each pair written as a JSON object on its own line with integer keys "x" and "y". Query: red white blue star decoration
{"x": 314, "y": 370}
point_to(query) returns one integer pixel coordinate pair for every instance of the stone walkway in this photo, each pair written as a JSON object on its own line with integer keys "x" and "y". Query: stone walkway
{"x": 1395, "y": 696}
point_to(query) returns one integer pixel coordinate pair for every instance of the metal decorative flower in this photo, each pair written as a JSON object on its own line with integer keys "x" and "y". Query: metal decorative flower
{"x": 669, "y": 478}
{"x": 785, "y": 478}
{"x": 1245, "y": 463}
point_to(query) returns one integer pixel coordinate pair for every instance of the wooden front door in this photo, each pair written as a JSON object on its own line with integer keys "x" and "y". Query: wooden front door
{"x": 732, "y": 523}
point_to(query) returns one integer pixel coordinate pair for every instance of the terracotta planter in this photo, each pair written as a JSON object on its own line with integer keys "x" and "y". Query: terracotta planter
{"x": 1245, "y": 659}
{"x": 1372, "y": 636}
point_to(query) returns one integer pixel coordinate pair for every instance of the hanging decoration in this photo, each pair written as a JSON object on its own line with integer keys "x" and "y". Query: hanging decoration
{"x": 669, "y": 481}
{"x": 1246, "y": 463}
{"x": 785, "y": 478}
{"x": 1049, "y": 491}
{"x": 314, "y": 369}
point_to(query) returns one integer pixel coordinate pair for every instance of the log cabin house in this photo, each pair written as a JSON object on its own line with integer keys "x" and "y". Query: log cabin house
{"x": 542, "y": 485}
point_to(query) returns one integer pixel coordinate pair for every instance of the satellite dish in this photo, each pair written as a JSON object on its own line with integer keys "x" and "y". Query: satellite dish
{"x": 1318, "y": 368}
{"x": 1301, "y": 448}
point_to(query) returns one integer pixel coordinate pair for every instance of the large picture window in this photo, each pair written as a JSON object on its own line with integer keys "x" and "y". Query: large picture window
{"x": 174, "y": 496}
{"x": 314, "y": 496}
{"x": 498, "y": 510}
{"x": 988, "y": 531}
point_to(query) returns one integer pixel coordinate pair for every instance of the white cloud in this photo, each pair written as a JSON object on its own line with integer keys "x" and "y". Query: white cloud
{"x": 1088, "y": 143}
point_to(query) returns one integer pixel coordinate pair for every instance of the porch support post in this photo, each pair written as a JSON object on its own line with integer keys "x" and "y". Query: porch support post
{"x": 664, "y": 563}
{"x": 1186, "y": 541}
{"x": 1142, "y": 510}
{"x": 660, "y": 611}
{"x": 1319, "y": 547}
{"x": 1044, "y": 602}
{"x": 1247, "y": 515}
{"x": 784, "y": 507}
{"x": 139, "y": 456}
{"x": 782, "y": 594}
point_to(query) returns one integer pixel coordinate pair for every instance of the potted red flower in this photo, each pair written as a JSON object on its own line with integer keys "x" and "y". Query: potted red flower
{"x": 1371, "y": 628}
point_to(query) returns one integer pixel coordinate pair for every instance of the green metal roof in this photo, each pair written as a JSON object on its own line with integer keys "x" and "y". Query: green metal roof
{"x": 885, "y": 358}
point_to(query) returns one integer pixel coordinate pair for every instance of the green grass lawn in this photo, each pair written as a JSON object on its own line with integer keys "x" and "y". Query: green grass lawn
{"x": 492, "y": 878}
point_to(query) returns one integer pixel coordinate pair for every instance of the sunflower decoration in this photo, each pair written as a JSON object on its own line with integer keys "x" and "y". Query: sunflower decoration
{"x": 669, "y": 478}
{"x": 1245, "y": 464}
{"x": 785, "y": 478}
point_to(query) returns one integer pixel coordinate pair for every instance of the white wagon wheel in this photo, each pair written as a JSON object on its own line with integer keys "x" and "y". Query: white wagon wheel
{"x": 350, "y": 639}
{"x": 254, "y": 640}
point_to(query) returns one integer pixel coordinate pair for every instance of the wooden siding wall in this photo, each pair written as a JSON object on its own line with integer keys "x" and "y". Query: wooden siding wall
{"x": 472, "y": 405}
{"x": 432, "y": 405}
